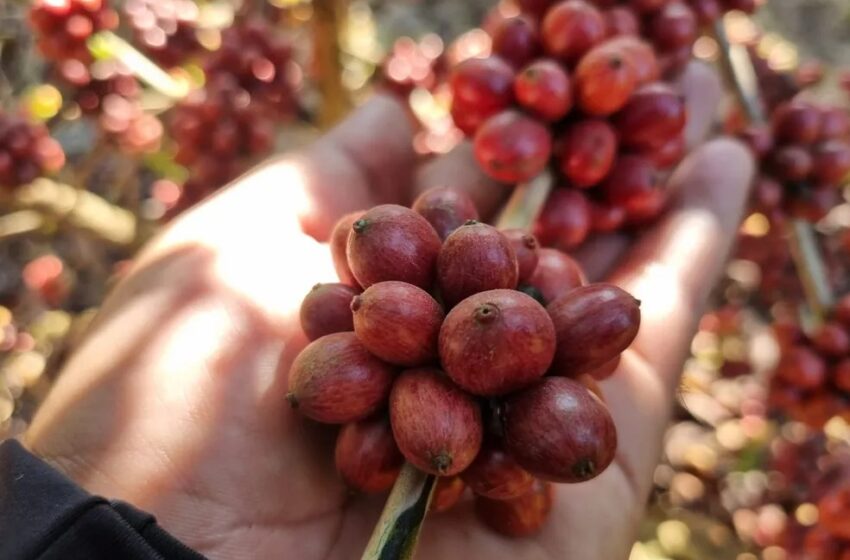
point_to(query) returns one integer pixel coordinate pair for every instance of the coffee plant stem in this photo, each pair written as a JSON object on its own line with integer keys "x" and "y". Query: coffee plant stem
{"x": 740, "y": 77}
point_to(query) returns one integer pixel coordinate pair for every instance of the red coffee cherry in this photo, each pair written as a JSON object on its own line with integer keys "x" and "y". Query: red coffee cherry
{"x": 543, "y": 88}
{"x": 366, "y": 456}
{"x": 517, "y": 517}
{"x": 511, "y": 147}
{"x": 398, "y": 322}
{"x": 564, "y": 221}
{"x": 436, "y": 426}
{"x": 605, "y": 217}
{"x": 392, "y": 242}
{"x": 556, "y": 274}
{"x": 832, "y": 340}
{"x": 445, "y": 209}
{"x": 526, "y": 249}
{"x": 586, "y": 151}
{"x": 668, "y": 154}
{"x": 516, "y": 41}
{"x": 835, "y": 123}
{"x": 759, "y": 139}
{"x": 621, "y": 20}
{"x": 802, "y": 368}
{"x": 339, "y": 247}
{"x": 631, "y": 179}
{"x": 327, "y": 310}
{"x": 707, "y": 11}
{"x": 558, "y": 430}
{"x": 797, "y": 122}
{"x": 447, "y": 493}
{"x": 831, "y": 162}
{"x": 653, "y": 115}
{"x": 480, "y": 337}
{"x": 336, "y": 380}
{"x": 605, "y": 79}
{"x": 535, "y": 8}
{"x": 643, "y": 60}
{"x": 791, "y": 163}
{"x": 832, "y": 510}
{"x": 481, "y": 87}
{"x": 570, "y": 28}
{"x": 674, "y": 27}
{"x": 494, "y": 474}
{"x": 593, "y": 325}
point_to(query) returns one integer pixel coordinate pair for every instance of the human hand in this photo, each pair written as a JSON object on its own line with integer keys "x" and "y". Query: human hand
{"x": 175, "y": 400}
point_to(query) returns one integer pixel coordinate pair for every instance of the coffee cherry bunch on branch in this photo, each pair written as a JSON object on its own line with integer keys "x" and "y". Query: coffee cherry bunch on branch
{"x": 219, "y": 131}
{"x": 464, "y": 350}
{"x": 260, "y": 62}
{"x": 26, "y": 151}
{"x": 62, "y": 27}
{"x": 165, "y": 29}
{"x": 811, "y": 383}
{"x": 805, "y": 160}
{"x": 563, "y": 90}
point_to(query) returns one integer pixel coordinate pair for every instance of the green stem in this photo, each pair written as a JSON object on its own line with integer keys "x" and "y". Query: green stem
{"x": 526, "y": 202}
{"x": 397, "y": 532}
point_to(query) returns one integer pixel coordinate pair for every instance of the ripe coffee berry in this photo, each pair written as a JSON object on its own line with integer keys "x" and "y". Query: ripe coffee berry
{"x": 398, "y": 323}
{"x": 526, "y": 249}
{"x": 586, "y": 151}
{"x": 593, "y": 325}
{"x": 436, "y": 425}
{"x": 797, "y": 122}
{"x": 445, "y": 209}
{"x": 652, "y": 116}
{"x": 479, "y": 338}
{"x": 516, "y": 41}
{"x": 548, "y": 426}
{"x": 448, "y": 490}
{"x": 522, "y": 516}
{"x": 605, "y": 79}
{"x": 339, "y": 247}
{"x": 336, "y": 380}
{"x": 571, "y": 28}
{"x": 327, "y": 310}
{"x": 556, "y": 274}
{"x": 391, "y": 242}
{"x": 565, "y": 220}
{"x": 481, "y": 87}
{"x": 475, "y": 258}
{"x": 366, "y": 455}
{"x": 544, "y": 89}
{"x": 496, "y": 475}
{"x": 511, "y": 147}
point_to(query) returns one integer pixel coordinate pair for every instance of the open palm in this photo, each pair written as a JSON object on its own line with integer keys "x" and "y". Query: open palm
{"x": 175, "y": 400}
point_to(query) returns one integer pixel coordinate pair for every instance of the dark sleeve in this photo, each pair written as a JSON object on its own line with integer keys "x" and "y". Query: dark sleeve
{"x": 45, "y": 516}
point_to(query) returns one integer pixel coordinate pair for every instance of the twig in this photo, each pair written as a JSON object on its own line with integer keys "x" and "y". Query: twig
{"x": 741, "y": 77}
{"x": 328, "y": 20}
{"x": 20, "y": 223}
{"x": 82, "y": 209}
{"x": 106, "y": 44}
{"x": 526, "y": 202}
{"x": 397, "y": 531}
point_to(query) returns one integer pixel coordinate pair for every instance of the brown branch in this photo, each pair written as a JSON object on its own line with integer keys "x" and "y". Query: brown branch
{"x": 328, "y": 20}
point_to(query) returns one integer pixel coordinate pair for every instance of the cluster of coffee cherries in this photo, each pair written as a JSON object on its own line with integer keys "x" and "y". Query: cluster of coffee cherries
{"x": 811, "y": 383}
{"x": 164, "y": 29}
{"x": 587, "y": 99}
{"x": 62, "y": 27}
{"x": 813, "y": 471}
{"x": 260, "y": 61}
{"x": 671, "y": 26}
{"x": 465, "y": 350}
{"x": 26, "y": 151}
{"x": 805, "y": 160}
{"x": 219, "y": 131}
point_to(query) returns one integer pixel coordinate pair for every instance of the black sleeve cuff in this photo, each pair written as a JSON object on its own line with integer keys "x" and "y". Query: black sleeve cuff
{"x": 43, "y": 515}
